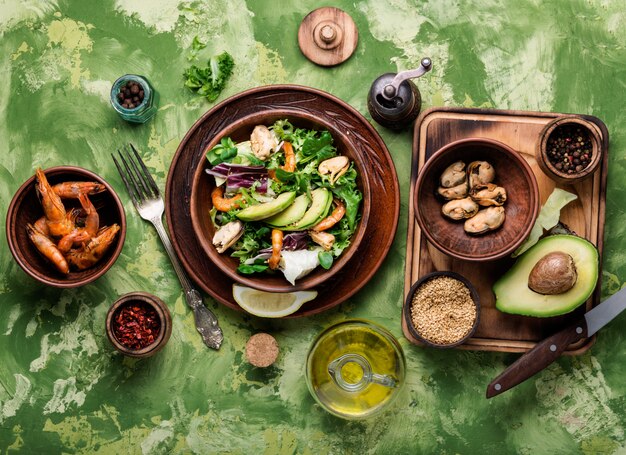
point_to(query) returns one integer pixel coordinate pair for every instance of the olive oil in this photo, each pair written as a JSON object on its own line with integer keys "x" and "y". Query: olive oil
{"x": 355, "y": 369}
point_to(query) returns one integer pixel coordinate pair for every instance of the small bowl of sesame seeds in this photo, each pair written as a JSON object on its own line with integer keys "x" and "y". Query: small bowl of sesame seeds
{"x": 569, "y": 149}
{"x": 442, "y": 309}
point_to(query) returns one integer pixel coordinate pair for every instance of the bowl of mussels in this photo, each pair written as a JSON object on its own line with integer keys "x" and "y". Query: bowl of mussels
{"x": 476, "y": 199}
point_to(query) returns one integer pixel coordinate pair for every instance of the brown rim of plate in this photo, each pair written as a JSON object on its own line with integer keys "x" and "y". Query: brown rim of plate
{"x": 533, "y": 209}
{"x": 278, "y": 283}
{"x": 165, "y": 320}
{"x": 409, "y": 304}
{"x": 378, "y": 239}
{"x": 18, "y": 255}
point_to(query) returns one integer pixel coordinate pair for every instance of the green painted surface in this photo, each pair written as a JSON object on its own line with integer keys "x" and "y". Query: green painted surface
{"x": 62, "y": 387}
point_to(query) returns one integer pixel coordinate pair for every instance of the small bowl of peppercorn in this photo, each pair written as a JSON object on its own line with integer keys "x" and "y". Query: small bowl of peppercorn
{"x": 138, "y": 324}
{"x": 569, "y": 149}
{"x": 442, "y": 309}
{"x": 134, "y": 98}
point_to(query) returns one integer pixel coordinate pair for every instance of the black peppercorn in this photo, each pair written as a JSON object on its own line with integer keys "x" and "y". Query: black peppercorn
{"x": 569, "y": 149}
{"x": 130, "y": 95}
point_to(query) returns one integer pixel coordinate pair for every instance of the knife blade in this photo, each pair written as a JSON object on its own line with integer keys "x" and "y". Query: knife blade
{"x": 550, "y": 349}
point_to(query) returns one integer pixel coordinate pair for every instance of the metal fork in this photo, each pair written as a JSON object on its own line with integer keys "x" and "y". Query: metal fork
{"x": 148, "y": 201}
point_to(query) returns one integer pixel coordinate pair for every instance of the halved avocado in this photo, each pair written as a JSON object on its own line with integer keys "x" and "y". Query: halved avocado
{"x": 321, "y": 198}
{"x": 291, "y": 214}
{"x": 514, "y": 296}
{"x": 267, "y": 209}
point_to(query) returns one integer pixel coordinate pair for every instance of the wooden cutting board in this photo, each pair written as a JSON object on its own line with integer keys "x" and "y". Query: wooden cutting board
{"x": 499, "y": 331}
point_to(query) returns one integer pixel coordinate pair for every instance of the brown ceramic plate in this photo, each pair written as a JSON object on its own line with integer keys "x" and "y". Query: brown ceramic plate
{"x": 26, "y": 208}
{"x": 204, "y": 184}
{"x": 301, "y": 101}
{"x": 521, "y": 206}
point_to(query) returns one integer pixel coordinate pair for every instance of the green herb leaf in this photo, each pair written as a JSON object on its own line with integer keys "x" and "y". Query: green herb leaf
{"x": 210, "y": 81}
{"x": 284, "y": 176}
{"x": 196, "y": 44}
{"x": 225, "y": 151}
{"x": 248, "y": 269}
{"x": 326, "y": 259}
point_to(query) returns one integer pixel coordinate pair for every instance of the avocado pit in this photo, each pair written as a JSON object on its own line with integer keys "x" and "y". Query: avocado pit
{"x": 555, "y": 273}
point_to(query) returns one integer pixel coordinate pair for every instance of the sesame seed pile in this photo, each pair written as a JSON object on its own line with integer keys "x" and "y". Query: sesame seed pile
{"x": 442, "y": 310}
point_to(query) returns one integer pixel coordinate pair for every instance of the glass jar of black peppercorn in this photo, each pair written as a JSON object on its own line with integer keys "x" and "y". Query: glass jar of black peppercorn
{"x": 569, "y": 149}
{"x": 134, "y": 98}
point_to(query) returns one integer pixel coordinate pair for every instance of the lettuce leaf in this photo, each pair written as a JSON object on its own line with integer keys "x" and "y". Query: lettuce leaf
{"x": 547, "y": 219}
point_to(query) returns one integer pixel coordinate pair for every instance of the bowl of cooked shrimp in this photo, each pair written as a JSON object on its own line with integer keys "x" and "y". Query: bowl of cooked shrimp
{"x": 65, "y": 226}
{"x": 282, "y": 200}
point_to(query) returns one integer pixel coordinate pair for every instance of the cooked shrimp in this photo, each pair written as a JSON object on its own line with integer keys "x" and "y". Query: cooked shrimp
{"x": 225, "y": 204}
{"x": 277, "y": 245}
{"x": 290, "y": 161}
{"x": 71, "y": 190}
{"x": 92, "y": 252}
{"x": 81, "y": 235}
{"x": 56, "y": 216}
{"x": 333, "y": 218}
{"x": 42, "y": 226}
{"x": 47, "y": 248}
{"x": 92, "y": 219}
{"x": 290, "y": 158}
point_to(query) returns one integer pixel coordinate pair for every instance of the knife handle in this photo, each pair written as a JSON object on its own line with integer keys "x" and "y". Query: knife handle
{"x": 538, "y": 358}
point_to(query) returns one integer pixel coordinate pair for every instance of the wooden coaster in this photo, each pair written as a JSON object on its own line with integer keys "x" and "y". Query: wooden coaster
{"x": 328, "y": 36}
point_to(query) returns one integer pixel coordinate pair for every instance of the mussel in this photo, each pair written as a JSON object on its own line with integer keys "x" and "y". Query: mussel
{"x": 488, "y": 194}
{"x": 485, "y": 220}
{"x": 227, "y": 235}
{"x": 460, "y": 208}
{"x": 323, "y": 239}
{"x": 480, "y": 173}
{"x": 335, "y": 167}
{"x": 453, "y": 175}
{"x": 263, "y": 142}
{"x": 456, "y": 192}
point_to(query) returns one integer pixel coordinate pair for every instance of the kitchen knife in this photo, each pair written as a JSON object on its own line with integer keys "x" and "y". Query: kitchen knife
{"x": 548, "y": 350}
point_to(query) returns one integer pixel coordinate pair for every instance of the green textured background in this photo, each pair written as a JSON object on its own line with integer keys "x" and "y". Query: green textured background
{"x": 62, "y": 387}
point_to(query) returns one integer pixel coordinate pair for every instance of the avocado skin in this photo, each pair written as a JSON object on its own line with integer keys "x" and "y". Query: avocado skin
{"x": 515, "y": 297}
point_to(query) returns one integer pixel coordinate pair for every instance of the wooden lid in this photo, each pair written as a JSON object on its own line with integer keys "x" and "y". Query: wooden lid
{"x": 328, "y": 36}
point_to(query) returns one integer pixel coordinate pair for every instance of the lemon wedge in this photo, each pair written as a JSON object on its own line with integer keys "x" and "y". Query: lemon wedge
{"x": 270, "y": 304}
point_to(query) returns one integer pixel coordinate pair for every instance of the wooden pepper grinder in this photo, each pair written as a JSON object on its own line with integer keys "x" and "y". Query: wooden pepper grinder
{"x": 393, "y": 100}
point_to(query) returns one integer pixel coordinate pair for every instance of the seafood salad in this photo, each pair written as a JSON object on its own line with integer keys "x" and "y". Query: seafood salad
{"x": 284, "y": 200}
{"x": 70, "y": 238}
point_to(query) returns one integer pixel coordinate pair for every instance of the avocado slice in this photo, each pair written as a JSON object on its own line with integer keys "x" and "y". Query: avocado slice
{"x": 291, "y": 214}
{"x": 514, "y": 296}
{"x": 267, "y": 209}
{"x": 321, "y": 198}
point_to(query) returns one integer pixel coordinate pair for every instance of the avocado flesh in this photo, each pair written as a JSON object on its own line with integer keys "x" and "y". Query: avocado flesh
{"x": 291, "y": 214}
{"x": 321, "y": 198}
{"x": 267, "y": 209}
{"x": 514, "y": 296}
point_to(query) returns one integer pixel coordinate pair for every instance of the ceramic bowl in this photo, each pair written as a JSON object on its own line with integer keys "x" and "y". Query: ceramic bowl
{"x": 163, "y": 315}
{"x": 26, "y": 208}
{"x": 409, "y": 303}
{"x": 521, "y": 207}
{"x": 203, "y": 184}
{"x": 596, "y": 150}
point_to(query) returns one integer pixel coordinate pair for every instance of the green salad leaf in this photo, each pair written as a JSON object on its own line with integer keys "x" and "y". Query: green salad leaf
{"x": 326, "y": 259}
{"x": 209, "y": 81}
{"x": 224, "y": 151}
{"x": 547, "y": 219}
